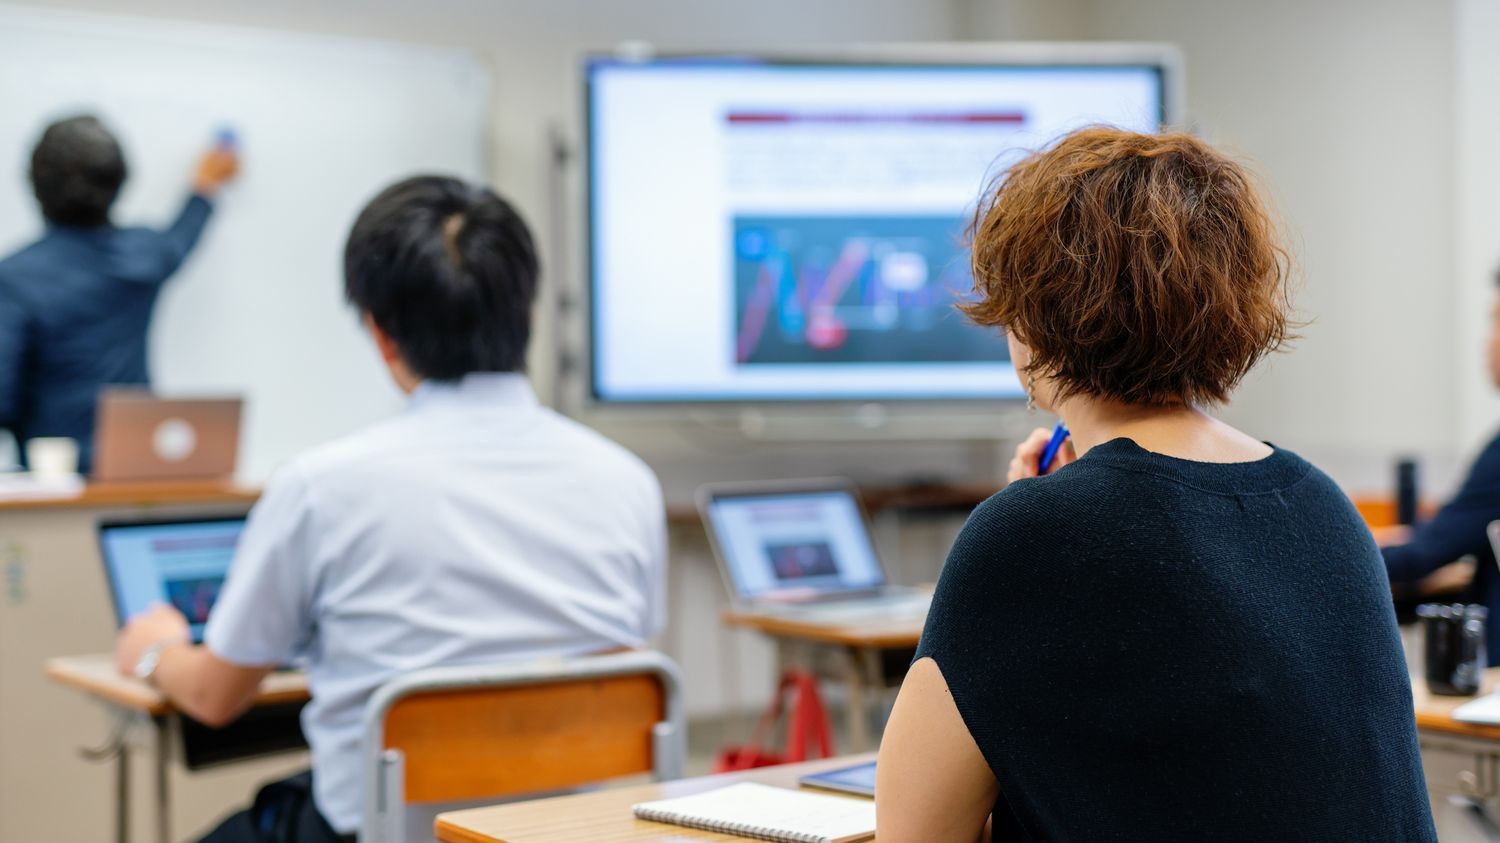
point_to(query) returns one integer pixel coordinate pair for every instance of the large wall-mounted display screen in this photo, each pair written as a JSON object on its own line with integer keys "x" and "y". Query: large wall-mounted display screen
{"x": 779, "y": 231}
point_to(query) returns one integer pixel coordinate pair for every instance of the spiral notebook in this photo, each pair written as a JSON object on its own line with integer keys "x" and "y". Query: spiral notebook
{"x": 769, "y": 813}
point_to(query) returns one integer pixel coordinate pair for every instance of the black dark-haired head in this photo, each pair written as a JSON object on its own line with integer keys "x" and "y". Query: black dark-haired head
{"x": 449, "y": 272}
{"x": 77, "y": 169}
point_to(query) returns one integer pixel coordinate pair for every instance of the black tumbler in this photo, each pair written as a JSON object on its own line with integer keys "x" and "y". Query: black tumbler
{"x": 1406, "y": 492}
{"x": 1456, "y": 656}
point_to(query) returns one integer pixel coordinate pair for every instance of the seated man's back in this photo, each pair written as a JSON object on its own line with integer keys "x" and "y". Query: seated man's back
{"x": 475, "y": 527}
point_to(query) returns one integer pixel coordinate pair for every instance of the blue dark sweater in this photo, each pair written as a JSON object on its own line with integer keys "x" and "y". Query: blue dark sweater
{"x": 75, "y": 311}
{"x": 1147, "y": 648}
{"x": 1458, "y": 530}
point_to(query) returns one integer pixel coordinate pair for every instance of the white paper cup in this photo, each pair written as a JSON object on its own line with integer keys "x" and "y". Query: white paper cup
{"x": 52, "y": 458}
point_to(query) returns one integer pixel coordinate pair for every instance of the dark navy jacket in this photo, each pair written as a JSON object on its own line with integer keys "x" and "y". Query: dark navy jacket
{"x": 75, "y": 309}
{"x": 1459, "y": 530}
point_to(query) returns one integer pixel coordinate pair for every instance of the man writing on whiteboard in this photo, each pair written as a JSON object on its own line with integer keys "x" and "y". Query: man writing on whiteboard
{"x": 476, "y": 526}
{"x": 76, "y": 305}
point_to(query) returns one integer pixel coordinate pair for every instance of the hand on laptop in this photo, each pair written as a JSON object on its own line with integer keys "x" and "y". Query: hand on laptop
{"x": 160, "y": 623}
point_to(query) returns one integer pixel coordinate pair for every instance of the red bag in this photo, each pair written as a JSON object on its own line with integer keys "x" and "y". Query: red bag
{"x": 807, "y": 723}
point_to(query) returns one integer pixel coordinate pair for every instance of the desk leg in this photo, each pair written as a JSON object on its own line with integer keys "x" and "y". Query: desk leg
{"x": 117, "y": 749}
{"x": 163, "y": 801}
{"x": 858, "y": 688}
{"x": 865, "y": 678}
{"x": 872, "y": 662}
{"x": 122, "y": 793}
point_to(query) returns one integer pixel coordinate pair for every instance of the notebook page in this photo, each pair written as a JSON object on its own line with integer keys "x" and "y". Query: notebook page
{"x": 769, "y": 813}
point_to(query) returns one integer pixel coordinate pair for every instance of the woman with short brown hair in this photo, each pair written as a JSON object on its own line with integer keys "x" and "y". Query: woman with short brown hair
{"x": 1180, "y": 633}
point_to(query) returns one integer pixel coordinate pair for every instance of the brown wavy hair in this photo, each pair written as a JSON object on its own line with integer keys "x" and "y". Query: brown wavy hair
{"x": 1141, "y": 268}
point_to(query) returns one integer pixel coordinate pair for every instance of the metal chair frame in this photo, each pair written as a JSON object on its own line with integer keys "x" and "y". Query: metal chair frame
{"x": 384, "y": 769}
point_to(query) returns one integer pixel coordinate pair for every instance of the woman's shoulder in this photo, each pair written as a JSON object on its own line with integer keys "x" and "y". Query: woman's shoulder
{"x": 1032, "y": 519}
{"x": 1060, "y": 496}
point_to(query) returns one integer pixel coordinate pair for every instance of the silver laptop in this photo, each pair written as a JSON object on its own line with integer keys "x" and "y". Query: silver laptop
{"x": 802, "y": 549}
{"x": 140, "y": 437}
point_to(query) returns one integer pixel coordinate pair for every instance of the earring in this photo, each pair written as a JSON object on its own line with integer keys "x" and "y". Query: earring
{"x": 1030, "y": 394}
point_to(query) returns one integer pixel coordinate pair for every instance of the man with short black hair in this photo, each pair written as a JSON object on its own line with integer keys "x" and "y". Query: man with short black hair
{"x": 76, "y": 305}
{"x": 477, "y": 526}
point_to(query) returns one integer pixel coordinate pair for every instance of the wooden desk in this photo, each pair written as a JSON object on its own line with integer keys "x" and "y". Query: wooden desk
{"x": 130, "y": 700}
{"x": 1461, "y": 762}
{"x": 140, "y": 495}
{"x": 876, "y": 636}
{"x": 1435, "y": 713}
{"x": 54, "y": 601}
{"x": 605, "y": 814}
{"x": 866, "y": 658}
{"x": 96, "y": 676}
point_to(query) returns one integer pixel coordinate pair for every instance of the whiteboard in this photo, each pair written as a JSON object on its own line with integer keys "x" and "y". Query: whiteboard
{"x": 323, "y": 123}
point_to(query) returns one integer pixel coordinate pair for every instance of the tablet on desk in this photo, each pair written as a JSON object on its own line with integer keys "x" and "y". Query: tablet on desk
{"x": 859, "y": 780}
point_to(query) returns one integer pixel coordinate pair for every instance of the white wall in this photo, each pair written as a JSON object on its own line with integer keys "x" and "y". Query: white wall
{"x": 1345, "y": 108}
{"x": 1478, "y": 216}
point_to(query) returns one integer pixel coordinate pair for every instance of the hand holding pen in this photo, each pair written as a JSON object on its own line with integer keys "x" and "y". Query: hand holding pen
{"x": 1052, "y": 444}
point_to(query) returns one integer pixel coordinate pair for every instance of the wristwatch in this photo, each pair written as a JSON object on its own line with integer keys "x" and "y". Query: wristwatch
{"x": 145, "y": 669}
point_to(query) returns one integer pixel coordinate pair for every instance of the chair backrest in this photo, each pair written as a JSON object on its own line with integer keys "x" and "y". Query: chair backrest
{"x": 489, "y": 731}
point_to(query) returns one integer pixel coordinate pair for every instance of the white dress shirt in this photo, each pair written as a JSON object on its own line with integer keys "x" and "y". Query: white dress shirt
{"x": 476, "y": 526}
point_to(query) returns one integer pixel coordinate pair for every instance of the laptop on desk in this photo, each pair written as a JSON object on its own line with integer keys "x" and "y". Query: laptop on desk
{"x": 802, "y": 550}
{"x": 140, "y": 437}
{"x": 181, "y": 562}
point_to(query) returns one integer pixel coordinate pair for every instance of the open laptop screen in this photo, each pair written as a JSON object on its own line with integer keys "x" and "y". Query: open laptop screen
{"x": 181, "y": 563}
{"x": 794, "y": 544}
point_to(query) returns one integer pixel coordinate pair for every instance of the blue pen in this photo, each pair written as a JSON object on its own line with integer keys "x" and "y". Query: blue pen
{"x": 1049, "y": 453}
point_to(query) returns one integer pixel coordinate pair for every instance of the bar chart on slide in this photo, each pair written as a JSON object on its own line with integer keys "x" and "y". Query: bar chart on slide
{"x": 820, "y": 290}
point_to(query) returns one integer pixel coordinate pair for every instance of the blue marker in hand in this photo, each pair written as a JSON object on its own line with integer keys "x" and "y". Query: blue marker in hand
{"x": 1049, "y": 453}
{"x": 226, "y": 138}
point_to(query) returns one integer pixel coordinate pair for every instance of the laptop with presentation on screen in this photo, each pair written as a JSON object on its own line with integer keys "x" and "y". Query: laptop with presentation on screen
{"x": 181, "y": 562}
{"x": 141, "y": 437}
{"x": 802, "y": 549}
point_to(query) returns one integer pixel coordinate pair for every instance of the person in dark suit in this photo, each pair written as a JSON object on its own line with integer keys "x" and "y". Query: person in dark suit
{"x": 76, "y": 305}
{"x": 1459, "y": 528}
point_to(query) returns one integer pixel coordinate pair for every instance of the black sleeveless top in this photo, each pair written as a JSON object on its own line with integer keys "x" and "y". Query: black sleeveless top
{"x": 1148, "y": 648}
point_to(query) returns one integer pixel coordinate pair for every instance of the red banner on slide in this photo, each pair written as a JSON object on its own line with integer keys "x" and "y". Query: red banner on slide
{"x": 967, "y": 117}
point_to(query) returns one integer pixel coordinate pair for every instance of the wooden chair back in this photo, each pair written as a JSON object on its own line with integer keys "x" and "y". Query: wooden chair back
{"x": 494, "y": 731}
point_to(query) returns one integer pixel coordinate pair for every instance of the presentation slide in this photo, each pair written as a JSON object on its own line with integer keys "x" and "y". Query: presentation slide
{"x": 182, "y": 565}
{"x": 795, "y": 544}
{"x": 796, "y": 232}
